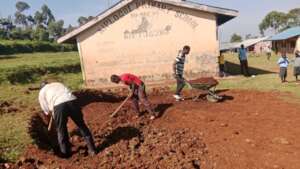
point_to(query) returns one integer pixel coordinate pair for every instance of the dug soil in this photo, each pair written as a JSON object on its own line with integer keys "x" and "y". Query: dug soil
{"x": 247, "y": 130}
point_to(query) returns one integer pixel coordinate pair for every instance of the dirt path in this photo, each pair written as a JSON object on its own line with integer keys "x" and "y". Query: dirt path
{"x": 249, "y": 130}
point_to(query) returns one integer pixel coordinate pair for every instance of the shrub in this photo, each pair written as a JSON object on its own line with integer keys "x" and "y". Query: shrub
{"x": 14, "y": 47}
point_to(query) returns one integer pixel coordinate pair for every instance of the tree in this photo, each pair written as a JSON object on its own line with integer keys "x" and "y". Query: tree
{"x": 276, "y": 21}
{"x": 39, "y": 19}
{"x": 69, "y": 29}
{"x": 56, "y": 29}
{"x": 22, "y": 6}
{"x": 82, "y": 20}
{"x": 294, "y": 15}
{"x": 47, "y": 15}
{"x": 40, "y": 34}
{"x": 20, "y": 18}
{"x": 236, "y": 38}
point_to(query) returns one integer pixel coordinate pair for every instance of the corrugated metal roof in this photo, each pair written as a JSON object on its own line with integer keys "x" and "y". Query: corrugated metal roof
{"x": 287, "y": 34}
{"x": 247, "y": 43}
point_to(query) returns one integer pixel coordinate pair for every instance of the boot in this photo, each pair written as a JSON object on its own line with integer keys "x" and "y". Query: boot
{"x": 91, "y": 145}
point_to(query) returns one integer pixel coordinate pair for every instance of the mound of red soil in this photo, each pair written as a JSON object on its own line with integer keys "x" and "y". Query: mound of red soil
{"x": 247, "y": 130}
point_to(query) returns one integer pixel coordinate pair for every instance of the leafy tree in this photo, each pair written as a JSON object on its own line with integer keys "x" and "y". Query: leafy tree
{"x": 82, "y": 20}
{"x": 236, "y": 38}
{"x": 40, "y": 34}
{"x": 279, "y": 21}
{"x": 39, "y": 19}
{"x": 31, "y": 20}
{"x": 69, "y": 29}
{"x": 20, "y": 18}
{"x": 294, "y": 15}
{"x": 47, "y": 15}
{"x": 56, "y": 29}
{"x": 22, "y": 6}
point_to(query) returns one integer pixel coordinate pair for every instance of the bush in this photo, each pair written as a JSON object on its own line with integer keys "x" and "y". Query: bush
{"x": 14, "y": 47}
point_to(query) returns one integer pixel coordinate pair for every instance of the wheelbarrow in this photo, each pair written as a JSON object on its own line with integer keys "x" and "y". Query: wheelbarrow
{"x": 206, "y": 88}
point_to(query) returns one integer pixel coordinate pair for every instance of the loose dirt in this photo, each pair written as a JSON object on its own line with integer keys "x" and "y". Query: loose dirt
{"x": 248, "y": 130}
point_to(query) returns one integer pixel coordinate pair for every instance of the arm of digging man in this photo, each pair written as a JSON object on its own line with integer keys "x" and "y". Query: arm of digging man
{"x": 44, "y": 104}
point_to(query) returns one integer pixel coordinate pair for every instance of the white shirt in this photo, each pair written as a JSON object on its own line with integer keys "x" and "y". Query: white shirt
{"x": 52, "y": 95}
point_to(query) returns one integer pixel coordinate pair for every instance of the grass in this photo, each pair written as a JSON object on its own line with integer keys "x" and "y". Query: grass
{"x": 13, "y": 126}
{"x": 64, "y": 67}
{"x": 266, "y": 81}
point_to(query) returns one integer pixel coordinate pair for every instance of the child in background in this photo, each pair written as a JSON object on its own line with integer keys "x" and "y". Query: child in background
{"x": 297, "y": 64}
{"x": 283, "y": 63}
{"x": 222, "y": 65}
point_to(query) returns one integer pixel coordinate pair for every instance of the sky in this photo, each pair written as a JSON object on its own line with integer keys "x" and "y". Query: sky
{"x": 251, "y": 12}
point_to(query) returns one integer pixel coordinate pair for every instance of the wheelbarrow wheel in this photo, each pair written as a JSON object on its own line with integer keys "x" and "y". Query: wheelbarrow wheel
{"x": 211, "y": 98}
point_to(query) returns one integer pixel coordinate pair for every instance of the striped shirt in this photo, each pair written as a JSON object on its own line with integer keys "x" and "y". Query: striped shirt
{"x": 179, "y": 64}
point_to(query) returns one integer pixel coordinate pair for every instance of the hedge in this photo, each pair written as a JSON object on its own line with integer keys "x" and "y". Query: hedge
{"x": 14, "y": 47}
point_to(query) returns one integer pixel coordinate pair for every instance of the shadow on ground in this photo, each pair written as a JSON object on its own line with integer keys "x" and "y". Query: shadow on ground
{"x": 120, "y": 133}
{"x": 235, "y": 69}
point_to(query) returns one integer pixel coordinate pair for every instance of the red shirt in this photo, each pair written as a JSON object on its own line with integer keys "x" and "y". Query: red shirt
{"x": 129, "y": 79}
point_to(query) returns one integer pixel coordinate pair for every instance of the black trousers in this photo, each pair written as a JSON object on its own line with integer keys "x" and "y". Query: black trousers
{"x": 180, "y": 84}
{"x": 244, "y": 67}
{"x": 61, "y": 114}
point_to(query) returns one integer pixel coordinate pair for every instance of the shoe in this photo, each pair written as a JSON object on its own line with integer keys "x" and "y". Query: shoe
{"x": 152, "y": 117}
{"x": 178, "y": 98}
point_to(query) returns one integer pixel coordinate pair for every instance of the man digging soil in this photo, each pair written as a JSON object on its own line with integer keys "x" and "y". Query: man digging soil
{"x": 138, "y": 92}
{"x": 58, "y": 103}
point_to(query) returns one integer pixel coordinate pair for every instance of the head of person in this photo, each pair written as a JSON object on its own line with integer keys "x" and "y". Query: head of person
{"x": 283, "y": 53}
{"x": 43, "y": 84}
{"x": 186, "y": 49}
{"x": 242, "y": 46}
{"x": 115, "y": 79}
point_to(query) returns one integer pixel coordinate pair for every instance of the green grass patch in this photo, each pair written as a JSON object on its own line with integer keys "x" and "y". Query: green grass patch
{"x": 17, "y": 74}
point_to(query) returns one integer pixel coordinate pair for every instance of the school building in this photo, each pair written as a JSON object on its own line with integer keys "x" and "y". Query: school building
{"x": 143, "y": 37}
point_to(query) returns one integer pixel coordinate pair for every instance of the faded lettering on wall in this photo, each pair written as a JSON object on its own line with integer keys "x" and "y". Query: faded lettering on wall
{"x": 147, "y": 4}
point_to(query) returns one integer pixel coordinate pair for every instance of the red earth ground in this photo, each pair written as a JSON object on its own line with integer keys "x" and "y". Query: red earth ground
{"x": 248, "y": 130}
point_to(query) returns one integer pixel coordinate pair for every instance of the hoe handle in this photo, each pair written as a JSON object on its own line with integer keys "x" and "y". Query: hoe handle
{"x": 50, "y": 124}
{"x": 118, "y": 109}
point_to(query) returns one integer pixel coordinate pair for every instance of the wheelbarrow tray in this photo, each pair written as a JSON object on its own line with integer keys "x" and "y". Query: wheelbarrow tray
{"x": 208, "y": 85}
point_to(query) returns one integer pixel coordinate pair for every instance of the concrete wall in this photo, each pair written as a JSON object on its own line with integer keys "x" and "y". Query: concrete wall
{"x": 144, "y": 39}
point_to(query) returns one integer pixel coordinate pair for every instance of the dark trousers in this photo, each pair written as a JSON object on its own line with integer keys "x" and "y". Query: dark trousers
{"x": 180, "y": 84}
{"x": 61, "y": 114}
{"x": 244, "y": 67}
{"x": 140, "y": 95}
{"x": 283, "y": 74}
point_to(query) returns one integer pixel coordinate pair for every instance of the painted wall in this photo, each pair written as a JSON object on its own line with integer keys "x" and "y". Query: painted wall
{"x": 144, "y": 39}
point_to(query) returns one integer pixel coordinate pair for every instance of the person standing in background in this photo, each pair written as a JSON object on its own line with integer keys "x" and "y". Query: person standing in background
{"x": 222, "y": 65}
{"x": 297, "y": 64}
{"x": 283, "y": 63}
{"x": 244, "y": 61}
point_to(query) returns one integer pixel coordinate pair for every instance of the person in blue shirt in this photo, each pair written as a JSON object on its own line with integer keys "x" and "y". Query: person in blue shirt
{"x": 283, "y": 63}
{"x": 244, "y": 61}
